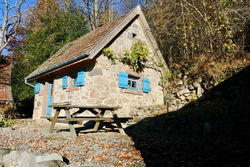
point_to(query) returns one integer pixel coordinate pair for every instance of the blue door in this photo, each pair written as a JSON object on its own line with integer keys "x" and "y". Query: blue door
{"x": 49, "y": 101}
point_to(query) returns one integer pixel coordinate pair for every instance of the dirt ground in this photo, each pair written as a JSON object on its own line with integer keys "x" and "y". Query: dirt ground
{"x": 89, "y": 149}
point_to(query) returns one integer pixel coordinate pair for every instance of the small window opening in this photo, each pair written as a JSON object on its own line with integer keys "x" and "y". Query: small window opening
{"x": 133, "y": 83}
{"x": 134, "y": 35}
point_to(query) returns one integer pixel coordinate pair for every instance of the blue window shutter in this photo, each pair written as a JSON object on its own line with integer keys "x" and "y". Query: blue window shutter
{"x": 137, "y": 84}
{"x": 123, "y": 80}
{"x": 37, "y": 88}
{"x": 64, "y": 84}
{"x": 145, "y": 85}
{"x": 80, "y": 78}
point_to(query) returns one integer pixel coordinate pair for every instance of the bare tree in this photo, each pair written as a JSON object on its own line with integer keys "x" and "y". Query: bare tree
{"x": 10, "y": 22}
{"x": 97, "y": 12}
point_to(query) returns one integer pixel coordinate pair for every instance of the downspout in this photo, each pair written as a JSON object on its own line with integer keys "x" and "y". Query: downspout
{"x": 27, "y": 83}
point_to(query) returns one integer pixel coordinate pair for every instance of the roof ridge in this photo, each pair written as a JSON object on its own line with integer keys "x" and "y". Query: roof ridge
{"x": 80, "y": 46}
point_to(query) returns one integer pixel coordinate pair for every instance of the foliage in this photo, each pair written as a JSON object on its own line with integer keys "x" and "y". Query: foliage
{"x": 187, "y": 29}
{"x": 48, "y": 27}
{"x": 193, "y": 28}
{"x": 7, "y": 110}
{"x": 109, "y": 54}
{"x": 137, "y": 56}
{"x": 5, "y": 124}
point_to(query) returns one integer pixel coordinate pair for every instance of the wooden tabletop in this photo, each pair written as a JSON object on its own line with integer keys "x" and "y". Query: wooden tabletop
{"x": 84, "y": 106}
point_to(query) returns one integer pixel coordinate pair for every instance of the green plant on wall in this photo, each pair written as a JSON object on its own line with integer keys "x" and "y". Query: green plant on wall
{"x": 137, "y": 56}
{"x": 109, "y": 54}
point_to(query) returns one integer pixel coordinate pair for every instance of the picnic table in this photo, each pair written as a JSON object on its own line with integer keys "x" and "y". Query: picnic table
{"x": 97, "y": 110}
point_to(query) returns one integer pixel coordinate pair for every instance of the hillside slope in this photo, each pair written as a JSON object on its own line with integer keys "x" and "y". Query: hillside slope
{"x": 212, "y": 131}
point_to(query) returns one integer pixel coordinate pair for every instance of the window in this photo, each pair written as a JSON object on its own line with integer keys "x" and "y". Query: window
{"x": 133, "y": 83}
{"x": 76, "y": 80}
{"x": 134, "y": 35}
{"x": 73, "y": 81}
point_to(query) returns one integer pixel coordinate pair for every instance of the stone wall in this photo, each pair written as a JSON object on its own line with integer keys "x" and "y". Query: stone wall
{"x": 38, "y": 102}
{"x": 101, "y": 80}
{"x": 182, "y": 91}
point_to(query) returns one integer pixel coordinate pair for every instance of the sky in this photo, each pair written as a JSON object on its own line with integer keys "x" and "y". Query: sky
{"x": 29, "y": 3}
{"x": 25, "y": 6}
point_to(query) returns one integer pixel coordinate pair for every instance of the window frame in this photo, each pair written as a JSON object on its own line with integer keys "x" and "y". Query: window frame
{"x": 139, "y": 84}
{"x": 132, "y": 79}
{"x": 72, "y": 77}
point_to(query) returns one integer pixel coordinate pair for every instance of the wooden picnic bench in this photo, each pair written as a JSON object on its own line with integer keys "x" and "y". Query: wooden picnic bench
{"x": 98, "y": 111}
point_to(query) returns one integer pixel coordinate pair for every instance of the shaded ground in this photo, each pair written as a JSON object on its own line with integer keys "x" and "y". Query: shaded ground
{"x": 97, "y": 149}
{"x": 213, "y": 131}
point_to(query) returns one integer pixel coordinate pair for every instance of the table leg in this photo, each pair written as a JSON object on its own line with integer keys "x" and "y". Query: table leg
{"x": 71, "y": 126}
{"x": 97, "y": 124}
{"x": 119, "y": 125}
{"x": 54, "y": 120}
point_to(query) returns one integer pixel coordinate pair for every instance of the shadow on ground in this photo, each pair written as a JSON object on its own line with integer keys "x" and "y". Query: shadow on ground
{"x": 24, "y": 109}
{"x": 213, "y": 131}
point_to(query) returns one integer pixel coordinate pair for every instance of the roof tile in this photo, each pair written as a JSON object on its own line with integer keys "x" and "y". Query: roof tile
{"x": 81, "y": 45}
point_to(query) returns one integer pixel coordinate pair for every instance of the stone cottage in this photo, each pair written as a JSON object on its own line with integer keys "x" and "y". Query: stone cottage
{"x": 80, "y": 74}
{"x": 5, "y": 79}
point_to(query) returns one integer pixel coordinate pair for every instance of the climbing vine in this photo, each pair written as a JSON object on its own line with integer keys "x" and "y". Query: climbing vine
{"x": 109, "y": 54}
{"x": 136, "y": 57}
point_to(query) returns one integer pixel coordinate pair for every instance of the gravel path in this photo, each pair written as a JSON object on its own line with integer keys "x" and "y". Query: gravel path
{"x": 92, "y": 149}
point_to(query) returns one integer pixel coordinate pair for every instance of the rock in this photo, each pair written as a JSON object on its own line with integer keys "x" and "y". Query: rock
{"x": 202, "y": 91}
{"x": 180, "y": 82}
{"x": 182, "y": 98}
{"x": 96, "y": 71}
{"x": 199, "y": 91}
{"x": 211, "y": 82}
{"x": 204, "y": 85}
{"x": 174, "y": 90}
{"x": 184, "y": 91}
{"x": 196, "y": 85}
{"x": 179, "y": 75}
{"x": 199, "y": 80}
{"x": 176, "y": 102}
{"x": 172, "y": 108}
{"x": 53, "y": 163}
{"x": 190, "y": 87}
{"x": 28, "y": 159}
{"x": 11, "y": 159}
{"x": 49, "y": 157}
{"x": 3, "y": 152}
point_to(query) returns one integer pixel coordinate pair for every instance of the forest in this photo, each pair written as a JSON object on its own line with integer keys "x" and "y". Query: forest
{"x": 208, "y": 39}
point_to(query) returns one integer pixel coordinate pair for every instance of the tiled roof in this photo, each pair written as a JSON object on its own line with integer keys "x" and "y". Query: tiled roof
{"x": 78, "y": 46}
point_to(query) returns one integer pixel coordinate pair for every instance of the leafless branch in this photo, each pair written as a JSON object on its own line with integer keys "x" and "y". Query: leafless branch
{"x": 10, "y": 23}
